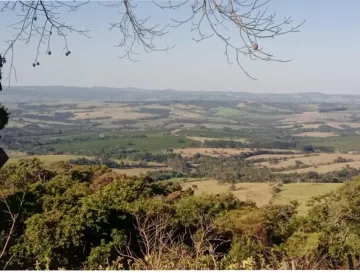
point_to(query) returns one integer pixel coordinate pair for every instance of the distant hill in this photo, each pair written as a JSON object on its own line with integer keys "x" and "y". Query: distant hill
{"x": 53, "y": 93}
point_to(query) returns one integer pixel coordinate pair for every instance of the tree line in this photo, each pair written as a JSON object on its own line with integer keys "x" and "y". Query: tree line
{"x": 72, "y": 217}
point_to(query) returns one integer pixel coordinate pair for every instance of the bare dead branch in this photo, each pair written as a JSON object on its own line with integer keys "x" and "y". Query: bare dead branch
{"x": 40, "y": 20}
{"x": 14, "y": 216}
{"x": 208, "y": 19}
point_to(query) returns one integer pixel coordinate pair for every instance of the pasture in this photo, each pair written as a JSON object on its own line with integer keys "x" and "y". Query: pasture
{"x": 317, "y": 134}
{"x": 47, "y": 159}
{"x": 310, "y": 160}
{"x": 261, "y": 193}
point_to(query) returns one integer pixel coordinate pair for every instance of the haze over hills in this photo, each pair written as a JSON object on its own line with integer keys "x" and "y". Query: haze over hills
{"x": 50, "y": 93}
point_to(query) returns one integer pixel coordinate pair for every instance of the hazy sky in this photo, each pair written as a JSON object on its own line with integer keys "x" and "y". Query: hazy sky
{"x": 325, "y": 54}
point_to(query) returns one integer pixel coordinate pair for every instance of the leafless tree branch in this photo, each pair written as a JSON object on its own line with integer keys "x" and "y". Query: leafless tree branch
{"x": 209, "y": 19}
{"x": 13, "y": 218}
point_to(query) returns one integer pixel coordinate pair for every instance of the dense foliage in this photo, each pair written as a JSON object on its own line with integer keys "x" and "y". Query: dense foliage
{"x": 101, "y": 161}
{"x": 66, "y": 217}
{"x": 237, "y": 169}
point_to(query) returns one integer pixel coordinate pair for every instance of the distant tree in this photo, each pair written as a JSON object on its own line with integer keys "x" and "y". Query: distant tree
{"x": 308, "y": 148}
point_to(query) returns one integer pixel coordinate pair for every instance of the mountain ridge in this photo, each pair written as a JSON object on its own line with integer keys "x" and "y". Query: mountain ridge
{"x": 127, "y": 94}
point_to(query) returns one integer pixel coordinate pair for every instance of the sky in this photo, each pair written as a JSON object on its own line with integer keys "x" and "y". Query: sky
{"x": 325, "y": 55}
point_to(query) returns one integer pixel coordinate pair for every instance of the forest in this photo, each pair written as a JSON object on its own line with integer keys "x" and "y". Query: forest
{"x": 88, "y": 217}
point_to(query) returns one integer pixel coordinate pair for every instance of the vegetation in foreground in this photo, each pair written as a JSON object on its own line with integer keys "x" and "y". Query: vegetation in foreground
{"x": 65, "y": 217}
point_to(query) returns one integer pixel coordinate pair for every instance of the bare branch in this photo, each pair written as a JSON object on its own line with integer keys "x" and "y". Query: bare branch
{"x": 209, "y": 19}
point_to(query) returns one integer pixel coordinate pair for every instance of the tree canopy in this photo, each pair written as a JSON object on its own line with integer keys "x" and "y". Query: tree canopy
{"x": 66, "y": 217}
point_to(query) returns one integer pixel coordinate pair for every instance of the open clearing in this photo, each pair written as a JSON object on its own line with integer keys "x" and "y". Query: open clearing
{"x": 326, "y": 168}
{"x": 305, "y": 117}
{"x": 339, "y": 124}
{"x": 317, "y": 134}
{"x": 257, "y": 192}
{"x": 112, "y": 112}
{"x": 48, "y": 159}
{"x": 311, "y": 126}
{"x": 303, "y": 192}
{"x": 261, "y": 193}
{"x": 202, "y": 139}
{"x": 311, "y": 160}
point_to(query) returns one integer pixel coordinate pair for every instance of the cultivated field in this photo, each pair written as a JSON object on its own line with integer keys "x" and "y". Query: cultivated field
{"x": 311, "y": 126}
{"x": 113, "y": 112}
{"x": 317, "y": 134}
{"x": 326, "y": 168}
{"x": 311, "y": 160}
{"x": 47, "y": 159}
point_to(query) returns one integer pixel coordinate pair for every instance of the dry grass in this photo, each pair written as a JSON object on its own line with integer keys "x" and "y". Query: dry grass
{"x": 302, "y": 192}
{"x": 48, "y": 159}
{"x": 338, "y": 124}
{"x": 305, "y": 117}
{"x": 311, "y": 126}
{"x": 312, "y": 117}
{"x": 317, "y": 134}
{"x": 273, "y": 156}
{"x": 15, "y": 154}
{"x": 285, "y": 126}
{"x": 184, "y": 113}
{"x": 241, "y": 105}
{"x": 326, "y": 168}
{"x": 202, "y": 139}
{"x": 260, "y": 193}
{"x": 112, "y": 112}
{"x": 313, "y": 160}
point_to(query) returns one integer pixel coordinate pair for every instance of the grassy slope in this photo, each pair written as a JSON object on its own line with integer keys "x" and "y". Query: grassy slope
{"x": 261, "y": 192}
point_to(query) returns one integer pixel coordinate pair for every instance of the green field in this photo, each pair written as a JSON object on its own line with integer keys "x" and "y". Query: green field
{"x": 229, "y": 112}
{"x": 345, "y": 143}
{"x": 302, "y": 192}
{"x": 151, "y": 144}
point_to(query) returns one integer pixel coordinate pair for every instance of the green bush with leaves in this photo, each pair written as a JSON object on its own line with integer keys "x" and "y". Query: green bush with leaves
{"x": 72, "y": 217}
